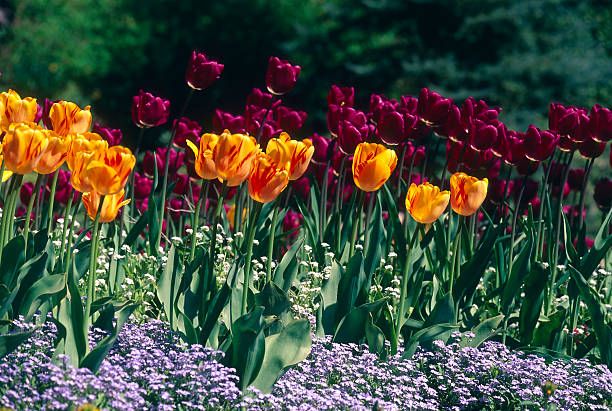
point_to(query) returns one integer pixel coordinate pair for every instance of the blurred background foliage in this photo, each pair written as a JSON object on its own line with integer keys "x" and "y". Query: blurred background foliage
{"x": 520, "y": 55}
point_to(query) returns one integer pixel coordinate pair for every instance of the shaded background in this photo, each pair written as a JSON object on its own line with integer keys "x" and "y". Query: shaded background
{"x": 520, "y": 55}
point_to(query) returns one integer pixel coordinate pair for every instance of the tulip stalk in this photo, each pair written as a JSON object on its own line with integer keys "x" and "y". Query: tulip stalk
{"x": 357, "y": 223}
{"x": 366, "y": 242}
{"x": 339, "y": 189}
{"x": 513, "y": 229}
{"x": 196, "y": 220}
{"x": 52, "y": 202}
{"x": 399, "y": 321}
{"x": 587, "y": 172}
{"x": 271, "y": 242}
{"x": 323, "y": 203}
{"x": 249, "y": 254}
{"x": 215, "y": 222}
{"x": 91, "y": 280}
{"x": 28, "y": 216}
{"x": 541, "y": 212}
{"x": 70, "y": 229}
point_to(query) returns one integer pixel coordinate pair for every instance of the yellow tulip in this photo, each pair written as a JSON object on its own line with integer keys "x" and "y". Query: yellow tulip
{"x": 110, "y": 206}
{"x": 278, "y": 151}
{"x": 6, "y": 174}
{"x": 67, "y": 118}
{"x": 23, "y": 146}
{"x": 79, "y": 177}
{"x": 372, "y": 165}
{"x": 204, "y": 161}
{"x": 108, "y": 173}
{"x": 467, "y": 193}
{"x": 234, "y": 156}
{"x": 300, "y": 154}
{"x": 86, "y": 142}
{"x": 14, "y": 109}
{"x": 426, "y": 202}
{"x": 55, "y": 154}
{"x": 266, "y": 180}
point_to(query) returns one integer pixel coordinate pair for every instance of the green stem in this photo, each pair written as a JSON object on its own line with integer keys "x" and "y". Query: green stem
{"x": 339, "y": 189}
{"x": 585, "y": 180}
{"x": 323, "y": 203}
{"x": 215, "y": 222}
{"x": 454, "y": 272}
{"x": 513, "y": 230}
{"x": 249, "y": 253}
{"x": 91, "y": 280}
{"x": 28, "y": 216}
{"x": 399, "y": 321}
{"x": 271, "y": 242}
{"x": 67, "y": 210}
{"x": 13, "y": 205}
{"x": 541, "y": 213}
{"x": 70, "y": 229}
{"x": 133, "y": 175}
{"x": 52, "y": 202}
{"x": 366, "y": 242}
{"x": 196, "y": 220}
{"x": 400, "y": 171}
{"x": 357, "y": 223}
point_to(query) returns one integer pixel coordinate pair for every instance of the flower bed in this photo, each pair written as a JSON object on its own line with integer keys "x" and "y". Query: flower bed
{"x": 149, "y": 368}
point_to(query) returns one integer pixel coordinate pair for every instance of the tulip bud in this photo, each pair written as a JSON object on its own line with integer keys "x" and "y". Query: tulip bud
{"x": 372, "y": 166}
{"x": 204, "y": 156}
{"x": 539, "y": 145}
{"x": 300, "y": 153}
{"x": 600, "y": 121}
{"x": 590, "y": 148}
{"x": 433, "y": 109}
{"x": 467, "y": 193}
{"x": 281, "y": 76}
{"x": 201, "y": 71}
{"x": 603, "y": 193}
{"x": 351, "y": 129}
{"x": 341, "y": 96}
{"x": 321, "y": 146}
{"x": 149, "y": 111}
{"x": 186, "y": 130}
{"x": 25, "y": 192}
{"x": 499, "y": 190}
{"x": 112, "y": 136}
{"x": 292, "y": 221}
{"x": 175, "y": 161}
{"x": 529, "y": 188}
{"x": 575, "y": 179}
{"x": 516, "y": 149}
{"x": 302, "y": 187}
{"x": 426, "y": 203}
{"x": 380, "y": 104}
{"x": 54, "y": 155}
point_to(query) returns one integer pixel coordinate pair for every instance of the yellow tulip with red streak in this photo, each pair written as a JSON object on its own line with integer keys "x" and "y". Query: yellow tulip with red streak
{"x": 110, "y": 206}
{"x": 108, "y": 173}
{"x": 467, "y": 193}
{"x": 300, "y": 154}
{"x": 54, "y": 154}
{"x": 233, "y": 156}
{"x": 372, "y": 165}
{"x": 14, "y": 109}
{"x": 426, "y": 203}
{"x": 267, "y": 180}
{"x": 23, "y": 146}
{"x": 204, "y": 156}
{"x": 67, "y": 118}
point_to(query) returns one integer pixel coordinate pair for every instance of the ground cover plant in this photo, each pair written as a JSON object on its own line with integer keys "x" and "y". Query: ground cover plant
{"x": 244, "y": 267}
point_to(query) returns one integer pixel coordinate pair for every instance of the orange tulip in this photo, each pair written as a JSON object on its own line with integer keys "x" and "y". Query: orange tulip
{"x": 5, "y": 174}
{"x": 234, "y": 156}
{"x": 67, "y": 118}
{"x": 110, "y": 206}
{"x": 23, "y": 146}
{"x": 300, "y": 153}
{"x": 278, "y": 151}
{"x": 467, "y": 193}
{"x": 426, "y": 202}
{"x": 204, "y": 161}
{"x": 109, "y": 172}
{"x": 372, "y": 165}
{"x": 86, "y": 142}
{"x": 55, "y": 154}
{"x": 14, "y": 109}
{"x": 79, "y": 177}
{"x": 266, "y": 180}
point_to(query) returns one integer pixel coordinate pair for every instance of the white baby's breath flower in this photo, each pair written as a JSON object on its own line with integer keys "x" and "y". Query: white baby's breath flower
{"x": 392, "y": 254}
{"x": 255, "y": 242}
{"x": 358, "y": 247}
{"x": 189, "y": 231}
{"x": 307, "y": 248}
{"x": 239, "y": 234}
{"x": 324, "y": 245}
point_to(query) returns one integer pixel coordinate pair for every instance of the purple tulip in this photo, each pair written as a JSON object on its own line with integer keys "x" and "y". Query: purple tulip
{"x": 149, "y": 111}
{"x": 395, "y": 127}
{"x": 112, "y": 136}
{"x": 260, "y": 99}
{"x": 539, "y": 145}
{"x": 569, "y": 121}
{"x": 341, "y": 96}
{"x": 186, "y": 130}
{"x": 590, "y": 148}
{"x": 201, "y": 71}
{"x": 227, "y": 121}
{"x": 575, "y": 179}
{"x": 601, "y": 123}
{"x": 432, "y": 108}
{"x": 281, "y": 76}
{"x": 603, "y": 193}
{"x": 290, "y": 120}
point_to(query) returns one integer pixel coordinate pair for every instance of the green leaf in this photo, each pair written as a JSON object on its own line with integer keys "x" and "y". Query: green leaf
{"x": 214, "y": 311}
{"x": 535, "y": 283}
{"x": 274, "y": 300}
{"x": 94, "y": 358}
{"x": 601, "y": 245}
{"x": 443, "y": 312}
{"x": 603, "y": 331}
{"x": 36, "y": 294}
{"x": 520, "y": 268}
{"x": 549, "y": 331}
{"x": 483, "y": 331}
{"x": 137, "y": 229}
{"x": 400, "y": 239}
{"x": 283, "y": 350}
{"x": 329, "y": 298}
{"x": 426, "y": 336}
{"x": 374, "y": 336}
{"x": 286, "y": 271}
{"x": 373, "y": 253}
{"x": 570, "y": 251}
{"x": 351, "y": 328}
{"x": 350, "y": 285}
{"x": 168, "y": 285}
{"x": 10, "y": 342}
{"x": 248, "y": 346}
{"x": 13, "y": 257}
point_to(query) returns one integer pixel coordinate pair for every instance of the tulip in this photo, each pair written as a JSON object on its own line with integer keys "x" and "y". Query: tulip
{"x": 227, "y": 121}
{"x": 300, "y": 153}
{"x": 85, "y": 142}
{"x": 6, "y": 174}
{"x": 175, "y": 161}
{"x": 54, "y": 154}
{"x": 352, "y": 131}
{"x": 260, "y": 99}
{"x": 201, "y": 71}
{"x": 568, "y": 121}
{"x": 433, "y": 109}
{"x": 67, "y": 118}
{"x": 600, "y": 121}
{"x": 266, "y": 180}
{"x": 80, "y": 177}
{"x": 590, "y": 148}
{"x": 142, "y": 186}
{"x": 482, "y": 136}
{"x": 467, "y": 193}
{"x": 110, "y": 206}
{"x": 426, "y": 203}
{"x": 25, "y": 192}
{"x": 292, "y": 221}
{"x": 575, "y": 179}
{"x": 290, "y": 120}
{"x": 380, "y": 104}
{"x": 341, "y": 96}
{"x": 186, "y": 130}
{"x": 302, "y": 187}
{"x": 109, "y": 172}
{"x": 529, "y": 188}
{"x": 372, "y": 166}
{"x": 278, "y": 151}
{"x": 149, "y": 111}
{"x": 496, "y": 190}
{"x": 112, "y": 136}
{"x": 603, "y": 193}
{"x": 23, "y": 146}
{"x": 204, "y": 160}
{"x": 281, "y": 76}
{"x": 394, "y": 127}
{"x": 539, "y": 145}
{"x": 516, "y": 148}
{"x": 14, "y": 109}
{"x": 321, "y": 149}
{"x": 233, "y": 157}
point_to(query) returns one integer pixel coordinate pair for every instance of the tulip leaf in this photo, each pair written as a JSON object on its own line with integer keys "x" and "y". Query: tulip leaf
{"x": 374, "y": 336}
{"x": 443, "y": 312}
{"x": 352, "y": 327}
{"x": 372, "y": 254}
{"x": 400, "y": 239}
{"x": 286, "y": 271}
{"x": 289, "y": 347}
{"x": 353, "y": 279}
{"x": 483, "y": 331}
{"x": 13, "y": 257}
{"x": 601, "y": 244}
{"x": 329, "y": 298}
{"x": 10, "y": 342}
{"x": 34, "y": 297}
{"x": 248, "y": 346}
{"x": 426, "y": 336}
{"x": 535, "y": 283}
{"x": 520, "y": 269}
{"x": 274, "y": 300}
{"x": 137, "y": 229}
{"x": 213, "y": 312}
